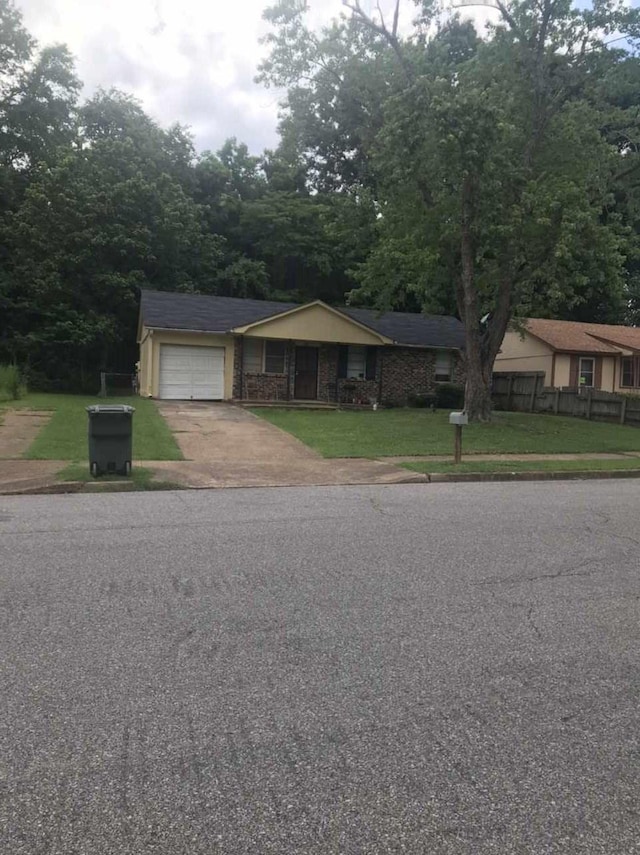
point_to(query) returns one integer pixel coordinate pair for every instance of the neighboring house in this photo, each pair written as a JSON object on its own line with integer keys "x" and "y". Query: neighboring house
{"x": 572, "y": 354}
{"x": 223, "y": 348}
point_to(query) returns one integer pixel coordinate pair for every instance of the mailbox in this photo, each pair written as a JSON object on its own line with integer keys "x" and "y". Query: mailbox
{"x": 458, "y": 419}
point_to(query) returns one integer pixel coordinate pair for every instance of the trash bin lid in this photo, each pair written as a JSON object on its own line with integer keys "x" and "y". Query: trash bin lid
{"x": 110, "y": 408}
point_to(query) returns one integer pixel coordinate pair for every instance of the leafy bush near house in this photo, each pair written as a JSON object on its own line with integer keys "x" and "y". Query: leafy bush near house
{"x": 12, "y": 386}
{"x": 449, "y": 396}
{"x": 421, "y": 401}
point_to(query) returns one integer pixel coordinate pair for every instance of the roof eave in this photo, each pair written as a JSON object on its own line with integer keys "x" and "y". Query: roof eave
{"x": 186, "y": 329}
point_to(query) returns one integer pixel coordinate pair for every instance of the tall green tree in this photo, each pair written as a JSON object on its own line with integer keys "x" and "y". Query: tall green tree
{"x": 38, "y": 92}
{"x": 487, "y": 157}
{"x": 304, "y": 241}
{"x": 111, "y": 215}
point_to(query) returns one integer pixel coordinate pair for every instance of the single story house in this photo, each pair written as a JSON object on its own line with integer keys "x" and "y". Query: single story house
{"x": 195, "y": 347}
{"x": 573, "y": 354}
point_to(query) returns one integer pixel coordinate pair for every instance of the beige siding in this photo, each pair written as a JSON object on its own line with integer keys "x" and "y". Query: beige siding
{"x": 525, "y": 354}
{"x": 608, "y": 373}
{"x": 563, "y": 369}
{"x": 150, "y": 356}
{"x": 145, "y": 363}
{"x": 313, "y": 324}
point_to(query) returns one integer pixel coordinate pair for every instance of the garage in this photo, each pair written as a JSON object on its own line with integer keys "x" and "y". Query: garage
{"x": 191, "y": 373}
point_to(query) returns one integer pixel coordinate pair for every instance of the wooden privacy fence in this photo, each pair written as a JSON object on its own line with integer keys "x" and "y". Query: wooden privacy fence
{"x": 524, "y": 391}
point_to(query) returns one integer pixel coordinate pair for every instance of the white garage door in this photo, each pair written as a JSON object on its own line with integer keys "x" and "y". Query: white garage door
{"x": 191, "y": 372}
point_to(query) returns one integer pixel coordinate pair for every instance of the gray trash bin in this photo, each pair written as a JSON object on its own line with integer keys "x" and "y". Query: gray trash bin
{"x": 110, "y": 439}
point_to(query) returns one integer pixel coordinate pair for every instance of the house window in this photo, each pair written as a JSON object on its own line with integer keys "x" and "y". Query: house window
{"x": 629, "y": 372}
{"x": 443, "y": 366}
{"x": 356, "y": 362}
{"x": 274, "y": 352}
{"x": 586, "y": 372}
{"x": 252, "y": 355}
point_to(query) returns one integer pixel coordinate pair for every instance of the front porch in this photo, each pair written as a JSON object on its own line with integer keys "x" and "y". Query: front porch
{"x": 270, "y": 371}
{"x": 307, "y": 374}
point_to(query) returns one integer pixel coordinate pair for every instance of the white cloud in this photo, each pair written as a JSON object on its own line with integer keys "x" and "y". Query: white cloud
{"x": 191, "y": 61}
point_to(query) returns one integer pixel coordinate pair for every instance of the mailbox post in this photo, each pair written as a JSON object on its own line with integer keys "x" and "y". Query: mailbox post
{"x": 458, "y": 420}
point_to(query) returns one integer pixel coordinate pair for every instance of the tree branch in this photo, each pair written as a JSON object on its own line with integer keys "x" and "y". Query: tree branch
{"x": 396, "y": 18}
{"x": 508, "y": 17}
{"x": 629, "y": 171}
{"x": 390, "y": 36}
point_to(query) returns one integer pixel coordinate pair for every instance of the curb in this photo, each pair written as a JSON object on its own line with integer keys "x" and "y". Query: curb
{"x": 70, "y": 487}
{"x": 44, "y": 490}
{"x": 575, "y": 475}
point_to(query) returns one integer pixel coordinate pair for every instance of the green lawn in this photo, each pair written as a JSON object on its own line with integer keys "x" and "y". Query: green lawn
{"x": 405, "y": 432}
{"x": 480, "y": 466}
{"x": 65, "y": 436}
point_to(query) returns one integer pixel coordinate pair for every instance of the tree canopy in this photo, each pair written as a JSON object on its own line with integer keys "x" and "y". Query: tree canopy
{"x": 504, "y": 165}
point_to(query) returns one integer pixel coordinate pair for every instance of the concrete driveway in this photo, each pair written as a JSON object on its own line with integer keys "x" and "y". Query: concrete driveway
{"x": 227, "y": 446}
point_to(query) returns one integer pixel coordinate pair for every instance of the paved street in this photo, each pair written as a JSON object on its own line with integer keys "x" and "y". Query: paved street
{"x": 403, "y": 669}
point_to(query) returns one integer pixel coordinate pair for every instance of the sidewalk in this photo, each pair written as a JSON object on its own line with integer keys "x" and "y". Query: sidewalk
{"x": 18, "y": 476}
{"x": 32, "y": 476}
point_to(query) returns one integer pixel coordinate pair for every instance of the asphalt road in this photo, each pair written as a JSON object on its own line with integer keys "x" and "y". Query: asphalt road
{"x": 420, "y": 669}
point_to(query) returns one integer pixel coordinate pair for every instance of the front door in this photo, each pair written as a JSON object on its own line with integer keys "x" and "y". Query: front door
{"x": 306, "y": 382}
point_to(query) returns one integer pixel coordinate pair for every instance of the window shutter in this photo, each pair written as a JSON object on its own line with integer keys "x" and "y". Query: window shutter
{"x": 343, "y": 357}
{"x": 372, "y": 360}
{"x": 597, "y": 382}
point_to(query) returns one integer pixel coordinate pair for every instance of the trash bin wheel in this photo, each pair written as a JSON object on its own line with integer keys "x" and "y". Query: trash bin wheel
{"x": 94, "y": 469}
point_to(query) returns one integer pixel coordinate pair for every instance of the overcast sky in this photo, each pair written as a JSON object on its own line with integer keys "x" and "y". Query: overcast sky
{"x": 191, "y": 61}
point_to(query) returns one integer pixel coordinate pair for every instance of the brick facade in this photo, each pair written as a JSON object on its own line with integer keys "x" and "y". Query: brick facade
{"x": 342, "y": 390}
{"x": 237, "y": 369}
{"x": 407, "y": 372}
{"x": 252, "y": 386}
{"x": 401, "y": 372}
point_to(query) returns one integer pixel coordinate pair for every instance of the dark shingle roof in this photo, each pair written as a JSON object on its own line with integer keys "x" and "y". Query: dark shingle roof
{"x": 175, "y": 311}
{"x": 412, "y": 328}
{"x": 170, "y": 310}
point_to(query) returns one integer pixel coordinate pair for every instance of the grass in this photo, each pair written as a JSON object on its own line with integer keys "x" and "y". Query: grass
{"x": 408, "y": 432}
{"x": 65, "y": 436}
{"x": 11, "y": 386}
{"x": 491, "y": 466}
{"x": 141, "y": 478}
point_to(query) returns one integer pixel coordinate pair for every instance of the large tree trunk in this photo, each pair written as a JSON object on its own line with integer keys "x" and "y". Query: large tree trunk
{"x": 482, "y": 342}
{"x": 477, "y": 398}
{"x": 477, "y": 393}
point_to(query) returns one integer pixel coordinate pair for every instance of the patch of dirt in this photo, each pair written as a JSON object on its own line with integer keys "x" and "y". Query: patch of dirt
{"x": 21, "y": 475}
{"x": 18, "y": 429}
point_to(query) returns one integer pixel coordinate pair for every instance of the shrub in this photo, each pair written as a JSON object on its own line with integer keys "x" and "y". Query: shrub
{"x": 422, "y": 401}
{"x": 449, "y": 396}
{"x": 11, "y": 384}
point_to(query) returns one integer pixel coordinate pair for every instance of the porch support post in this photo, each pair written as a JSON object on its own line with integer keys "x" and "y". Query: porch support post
{"x": 290, "y": 360}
